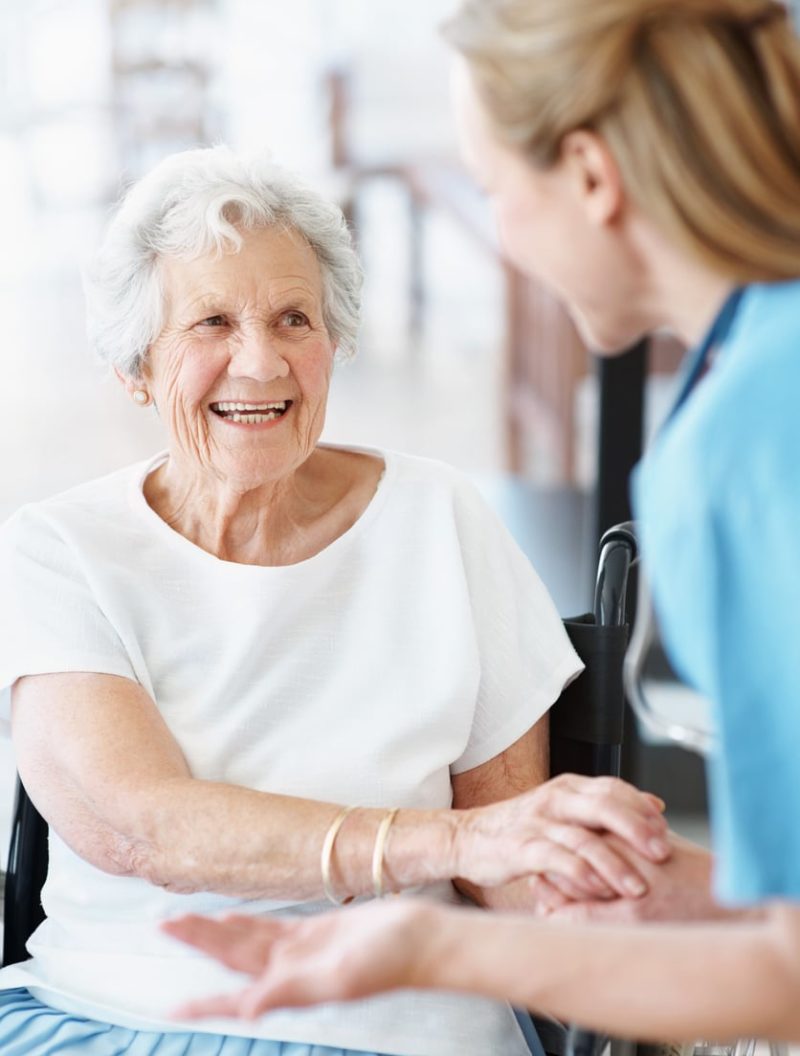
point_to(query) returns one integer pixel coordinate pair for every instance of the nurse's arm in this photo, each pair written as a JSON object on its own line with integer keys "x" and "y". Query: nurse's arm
{"x": 721, "y": 981}
{"x": 653, "y": 981}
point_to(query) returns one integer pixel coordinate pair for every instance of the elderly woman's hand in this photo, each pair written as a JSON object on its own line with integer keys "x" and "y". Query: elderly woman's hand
{"x": 559, "y": 832}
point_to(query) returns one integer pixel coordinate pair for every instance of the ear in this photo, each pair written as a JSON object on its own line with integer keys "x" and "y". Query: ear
{"x": 130, "y": 383}
{"x": 594, "y": 176}
{"x": 127, "y": 383}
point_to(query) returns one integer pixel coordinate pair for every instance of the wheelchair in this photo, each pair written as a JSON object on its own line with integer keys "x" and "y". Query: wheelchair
{"x": 586, "y": 734}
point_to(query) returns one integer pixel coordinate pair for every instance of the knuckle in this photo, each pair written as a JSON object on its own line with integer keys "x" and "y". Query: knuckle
{"x": 610, "y": 786}
{"x": 605, "y": 800}
{"x": 540, "y": 794}
{"x": 563, "y": 781}
{"x": 611, "y": 803}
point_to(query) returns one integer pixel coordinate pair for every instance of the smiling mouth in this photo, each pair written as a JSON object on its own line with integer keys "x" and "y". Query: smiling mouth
{"x": 251, "y": 413}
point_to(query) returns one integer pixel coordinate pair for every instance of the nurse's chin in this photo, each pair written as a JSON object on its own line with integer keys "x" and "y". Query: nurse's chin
{"x": 606, "y": 338}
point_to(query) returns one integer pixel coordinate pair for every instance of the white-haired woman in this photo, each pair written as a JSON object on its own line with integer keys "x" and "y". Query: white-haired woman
{"x": 661, "y": 139}
{"x": 256, "y": 671}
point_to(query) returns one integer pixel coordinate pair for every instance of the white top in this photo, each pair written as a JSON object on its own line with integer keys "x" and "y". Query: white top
{"x": 420, "y": 643}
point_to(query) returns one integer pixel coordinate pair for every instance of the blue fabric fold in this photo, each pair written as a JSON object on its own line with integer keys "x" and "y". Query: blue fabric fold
{"x": 30, "y": 1028}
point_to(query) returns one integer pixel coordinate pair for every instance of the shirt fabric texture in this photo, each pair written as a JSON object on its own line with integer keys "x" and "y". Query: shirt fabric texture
{"x": 718, "y": 503}
{"x": 419, "y": 644}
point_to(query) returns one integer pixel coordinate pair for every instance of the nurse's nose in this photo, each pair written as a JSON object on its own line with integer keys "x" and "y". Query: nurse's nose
{"x": 257, "y": 355}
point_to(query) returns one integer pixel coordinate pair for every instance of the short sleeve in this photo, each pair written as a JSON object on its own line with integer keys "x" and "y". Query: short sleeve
{"x": 50, "y": 620}
{"x": 526, "y": 658}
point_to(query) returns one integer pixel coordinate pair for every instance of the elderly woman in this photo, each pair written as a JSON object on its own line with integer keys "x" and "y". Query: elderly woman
{"x": 255, "y": 671}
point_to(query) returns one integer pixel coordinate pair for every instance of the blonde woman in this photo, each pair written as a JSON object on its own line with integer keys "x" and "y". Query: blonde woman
{"x": 661, "y": 138}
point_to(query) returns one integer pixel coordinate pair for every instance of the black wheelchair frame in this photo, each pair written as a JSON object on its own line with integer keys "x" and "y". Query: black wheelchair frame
{"x": 587, "y": 721}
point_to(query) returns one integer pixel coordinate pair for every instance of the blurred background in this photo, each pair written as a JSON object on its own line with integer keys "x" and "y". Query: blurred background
{"x": 461, "y": 358}
{"x": 352, "y": 93}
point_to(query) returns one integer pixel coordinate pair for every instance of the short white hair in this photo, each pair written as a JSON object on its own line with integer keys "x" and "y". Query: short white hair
{"x": 194, "y": 203}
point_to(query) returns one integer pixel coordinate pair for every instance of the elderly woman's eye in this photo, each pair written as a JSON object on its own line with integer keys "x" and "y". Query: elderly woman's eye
{"x": 295, "y": 319}
{"x": 213, "y": 320}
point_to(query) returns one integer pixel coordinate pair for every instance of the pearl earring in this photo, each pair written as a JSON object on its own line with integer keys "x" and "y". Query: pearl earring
{"x": 141, "y": 397}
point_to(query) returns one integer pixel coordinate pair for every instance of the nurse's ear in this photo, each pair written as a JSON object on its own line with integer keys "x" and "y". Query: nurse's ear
{"x": 593, "y": 177}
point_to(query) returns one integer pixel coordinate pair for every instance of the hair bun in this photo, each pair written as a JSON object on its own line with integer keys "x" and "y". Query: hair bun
{"x": 772, "y": 11}
{"x": 749, "y": 14}
{"x": 698, "y": 102}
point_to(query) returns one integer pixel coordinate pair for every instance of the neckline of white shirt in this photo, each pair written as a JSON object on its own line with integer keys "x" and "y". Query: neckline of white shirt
{"x": 143, "y": 509}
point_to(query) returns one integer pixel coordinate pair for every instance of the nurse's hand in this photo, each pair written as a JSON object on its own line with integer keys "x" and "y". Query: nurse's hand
{"x": 679, "y": 890}
{"x": 335, "y": 956}
{"x": 559, "y": 833}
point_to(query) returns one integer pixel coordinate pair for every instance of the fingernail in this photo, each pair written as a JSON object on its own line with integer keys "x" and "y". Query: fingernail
{"x": 634, "y": 886}
{"x": 660, "y": 848}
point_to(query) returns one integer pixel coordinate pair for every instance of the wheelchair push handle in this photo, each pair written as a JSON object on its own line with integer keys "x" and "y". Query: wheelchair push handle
{"x": 618, "y": 551}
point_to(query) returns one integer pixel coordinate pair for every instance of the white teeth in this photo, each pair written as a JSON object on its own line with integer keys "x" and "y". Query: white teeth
{"x": 250, "y": 408}
{"x": 252, "y": 419}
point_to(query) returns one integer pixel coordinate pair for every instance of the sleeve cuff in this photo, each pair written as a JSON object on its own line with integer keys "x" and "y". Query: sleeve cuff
{"x": 526, "y": 716}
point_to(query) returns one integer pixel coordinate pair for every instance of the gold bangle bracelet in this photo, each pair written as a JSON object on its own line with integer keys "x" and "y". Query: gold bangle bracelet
{"x": 380, "y": 847}
{"x": 327, "y": 854}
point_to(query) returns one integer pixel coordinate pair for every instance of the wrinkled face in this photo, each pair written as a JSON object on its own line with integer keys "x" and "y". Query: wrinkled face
{"x": 552, "y": 226}
{"x": 241, "y": 370}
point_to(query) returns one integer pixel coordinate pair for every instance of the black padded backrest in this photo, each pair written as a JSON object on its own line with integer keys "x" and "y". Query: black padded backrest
{"x": 586, "y": 722}
{"x": 25, "y": 877}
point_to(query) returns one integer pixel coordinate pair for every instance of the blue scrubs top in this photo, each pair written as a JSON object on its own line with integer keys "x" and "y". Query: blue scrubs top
{"x": 718, "y": 503}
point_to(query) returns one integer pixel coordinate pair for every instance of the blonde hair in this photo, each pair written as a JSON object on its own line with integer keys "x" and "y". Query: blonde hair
{"x": 698, "y": 101}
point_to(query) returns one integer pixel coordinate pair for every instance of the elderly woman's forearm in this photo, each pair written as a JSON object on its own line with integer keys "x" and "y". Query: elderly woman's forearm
{"x": 188, "y": 835}
{"x": 719, "y": 980}
{"x": 113, "y": 783}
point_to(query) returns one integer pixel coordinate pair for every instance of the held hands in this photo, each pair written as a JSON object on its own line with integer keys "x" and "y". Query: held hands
{"x": 678, "y": 890}
{"x": 594, "y": 840}
{"x": 558, "y": 835}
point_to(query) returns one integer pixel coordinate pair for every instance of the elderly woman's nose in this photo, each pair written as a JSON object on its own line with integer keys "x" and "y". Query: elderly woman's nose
{"x": 258, "y": 355}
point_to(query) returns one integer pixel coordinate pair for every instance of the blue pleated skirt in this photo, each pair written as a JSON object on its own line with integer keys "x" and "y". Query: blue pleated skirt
{"x": 29, "y": 1028}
